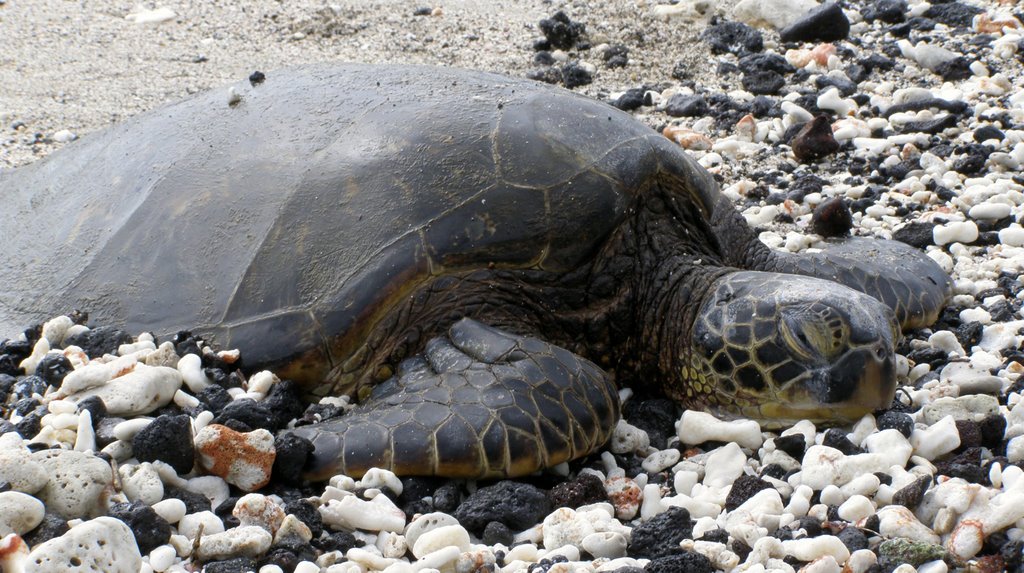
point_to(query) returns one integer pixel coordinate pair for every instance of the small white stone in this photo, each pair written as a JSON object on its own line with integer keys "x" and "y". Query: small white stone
{"x": 811, "y": 548}
{"x": 940, "y": 438}
{"x": 946, "y": 341}
{"x": 307, "y": 567}
{"x": 150, "y": 17}
{"x": 248, "y": 541}
{"x": 141, "y": 482}
{"x": 141, "y": 391}
{"x": 19, "y": 470}
{"x": 171, "y": 509}
{"x": 55, "y": 329}
{"x": 439, "y": 538}
{"x": 661, "y": 460}
{"x": 627, "y": 438}
{"x": 162, "y": 557}
{"x": 353, "y": 513}
{"x": 126, "y": 430}
{"x": 77, "y": 484}
{"x": 989, "y": 211}
{"x": 19, "y": 513}
{"x": 102, "y": 544}
{"x": 724, "y": 465}
{"x": 826, "y": 564}
{"x": 206, "y": 522}
{"x": 1012, "y": 235}
{"x": 975, "y": 407}
{"x": 259, "y": 510}
{"x": 856, "y": 508}
{"x": 696, "y": 427}
{"x": 376, "y": 478}
{"x": 605, "y": 544}
{"x": 262, "y": 381}
{"x": 955, "y": 232}
{"x": 898, "y": 521}
{"x": 772, "y": 13}
{"x": 191, "y": 368}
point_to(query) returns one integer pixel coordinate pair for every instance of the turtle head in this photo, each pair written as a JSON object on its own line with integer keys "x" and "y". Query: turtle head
{"x": 783, "y": 348}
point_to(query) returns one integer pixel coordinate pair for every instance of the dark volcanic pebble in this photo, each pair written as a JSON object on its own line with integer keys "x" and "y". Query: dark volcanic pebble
{"x": 724, "y": 36}
{"x": 888, "y": 11}
{"x": 794, "y": 444}
{"x": 953, "y": 14}
{"x": 53, "y": 368}
{"x": 743, "y": 489}
{"x": 194, "y": 502}
{"x": 587, "y": 488}
{"x": 899, "y": 421}
{"x": 497, "y": 532}
{"x": 853, "y": 538}
{"x": 335, "y": 541}
{"x": 682, "y": 105}
{"x": 234, "y": 565}
{"x": 575, "y": 75}
{"x": 916, "y": 234}
{"x": 837, "y": 439}
{"x": 51, "y": 526}
{"x": 99, "y": 341}
{"x": 168, "y": 439}
{"x": 814, "y": 140}
{"x": 97, "y": 409}
{"x": 630, "y": 99}
{"x": 307, "y": 513}
{"x": 249, "y": 412}
{"x": 826, "y": 23}
{"x": 284, "y": 402}
{"x": 560, "y": 31}
{"x": 932, "y": 126}
{"x": 959, "y": 68}
{"x": 660, "y": 535}
{"x": 150, "y": 530}
{"x": 616, "y": 56}
{"x": 832, "y": 218}
{"x": 911, "y": 495}
{"x": 764, "y": 82}
{"x": 517, "y": 505}
{"x": 685, "y": 562}
{"x": 291, "y": 454}
{"x": 986, "y": 132}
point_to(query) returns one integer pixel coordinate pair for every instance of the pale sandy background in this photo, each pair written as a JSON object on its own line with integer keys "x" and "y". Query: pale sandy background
{"x": 81, "y": 65}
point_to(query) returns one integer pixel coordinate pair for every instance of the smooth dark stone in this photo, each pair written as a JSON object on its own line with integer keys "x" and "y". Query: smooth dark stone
{"x": 150, "y": 530}
{"x": 832, "y": 218}
{"x": 683, "y": 105}
{"x": 888, "y": 11}
{"x": 725, "y": 36}
{"x": 826, "y": 23}
{"x": 814, "y": 141}
{"x": 167, "y": 439}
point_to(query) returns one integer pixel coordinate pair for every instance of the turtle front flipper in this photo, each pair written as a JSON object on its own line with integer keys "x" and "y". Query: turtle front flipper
{"x": 478, "y": 403}
{"x": 904, "y": 278}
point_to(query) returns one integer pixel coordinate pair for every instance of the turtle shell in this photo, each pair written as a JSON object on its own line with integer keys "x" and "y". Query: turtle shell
{"x": 290, "y": 217}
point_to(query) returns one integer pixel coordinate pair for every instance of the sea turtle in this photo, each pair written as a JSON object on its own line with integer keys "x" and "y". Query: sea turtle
{"x": 481, "y": 260}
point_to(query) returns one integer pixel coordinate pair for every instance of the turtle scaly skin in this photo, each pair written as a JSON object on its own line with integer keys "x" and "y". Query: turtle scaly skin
{"x": 481, "y": 261}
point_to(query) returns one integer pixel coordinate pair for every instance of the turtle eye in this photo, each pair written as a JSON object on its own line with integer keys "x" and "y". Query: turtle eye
{"x": 802, "y": 333}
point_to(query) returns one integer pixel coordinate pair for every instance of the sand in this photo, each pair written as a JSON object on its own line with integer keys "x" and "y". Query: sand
{"x": 78, "y": 66}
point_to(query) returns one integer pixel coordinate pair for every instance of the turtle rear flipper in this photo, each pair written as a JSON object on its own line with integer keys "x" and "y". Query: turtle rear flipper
{"x": 478, "y": 403}
{"x": 901, "y": 276}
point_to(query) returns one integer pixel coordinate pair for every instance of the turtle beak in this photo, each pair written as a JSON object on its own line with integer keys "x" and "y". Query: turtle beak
{"x": 863, "y": 379}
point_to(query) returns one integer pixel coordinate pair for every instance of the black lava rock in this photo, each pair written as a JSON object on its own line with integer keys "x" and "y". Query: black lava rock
{"x": 837, "y": 439}
{"x": 682, "y": 105}
{"x": 853, "y": 538}
{"x": 256, "y": 78}
{"x": 932, "y": 126}
{"x": 832, "y": 218}
{"x": 846, "y": 87}
{"x": 916, "y": 234}
{"x": 50, "y": 527}
{"x": 233, "y": 565}
{"x": 307, "y": 513}
{"x": 616, "y": 56}
{"x": 724, "y": 36}
{"x": 446, "y": 498}
{"x": 249, "y": 412}
{"x": 292, "y": 452}
{"x": 194, "y": 502}
{"x": 215, "y": 398}
{"x": 497, "y": 532}
{"x": 794, "y": 444}
{"x": 899, "y": 421}
{"x": 911, "y": 495}
{"x": 284, "y": 558}
{"x": 30, "y": 425}
{"x": 655, "y": 416}
{"x": 888, "y": 11}
{"x": 986, "y": 132}
{"x": 335, "y": 541}
{"x": 971, "y": 163}
{"x": 814, "y": 141}
{"x": 970, "y": 434}
{"x": 26, "y": 387}
{"x": 967, "y": 465}
{"x": 952, "y": 14}
{"x": 99, "y": 341}
{"x": 660, "y": 535}
{"x": 630, "y": 99}
{"x": 517, "y": 505}
{"x": 585, "y": 489}
{"x": 561, "y": 32}
{"x": 97, "y": 409}
{"x": 826, "y": 23}
{"x": 959, "y": 68}
{"x": 763, "y": 83}
{"x": 743, "y": 489}
{"x": 284, "y": 402}
{"x": 685, "y": 562}
{"x": 575, "y": 75}
{"x": 150, "y": 530}
{"x": 992, "y": 430}
{"x": 168, "y": 439}
{"x": 53, "y": 368}
{"x": 765, "y": 63}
